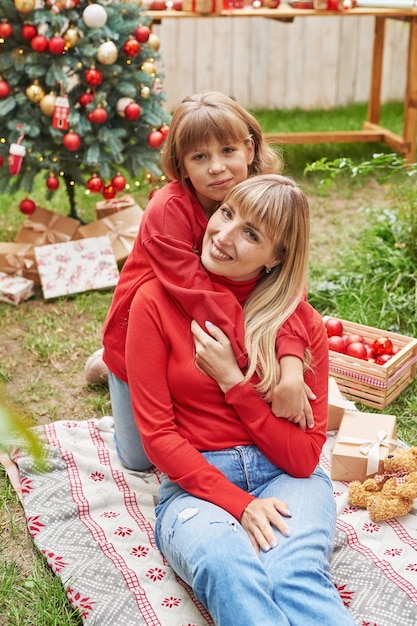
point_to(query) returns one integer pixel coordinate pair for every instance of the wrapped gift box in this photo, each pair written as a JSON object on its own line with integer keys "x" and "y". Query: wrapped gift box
{"x": 338, "y": 404}
{"x": 202, "y": 6}
{"x": 76, "y": 266}
{"x": 18, "y": 259}
{"x": 43, "y": 227}
{"x": 362, "y": 443}
{"x": 108, "y": 207}
{"x": 369, "y": 383}
{"x": 15, "y": 289}
{"x": 121, "y": 227}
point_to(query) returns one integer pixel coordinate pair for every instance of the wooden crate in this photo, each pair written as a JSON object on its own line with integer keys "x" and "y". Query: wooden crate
{"x": 371, "y": 384}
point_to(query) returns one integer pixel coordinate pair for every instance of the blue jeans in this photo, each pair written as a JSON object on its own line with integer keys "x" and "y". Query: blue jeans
{"x": 126, "y": 435}
{"x": 209, "y": 549}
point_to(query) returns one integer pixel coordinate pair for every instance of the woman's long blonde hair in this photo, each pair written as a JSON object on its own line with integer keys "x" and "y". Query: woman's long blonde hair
{"x": 281, "y": 207}
{"x": 212, "y": 116}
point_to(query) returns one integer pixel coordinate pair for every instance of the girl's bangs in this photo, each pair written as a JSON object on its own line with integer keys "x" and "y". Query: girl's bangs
{"x": 210, "y": 126}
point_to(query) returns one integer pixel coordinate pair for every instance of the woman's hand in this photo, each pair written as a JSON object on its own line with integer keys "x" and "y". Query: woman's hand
{"x": 214, "y": 356}
{"x": 259, "y": 517}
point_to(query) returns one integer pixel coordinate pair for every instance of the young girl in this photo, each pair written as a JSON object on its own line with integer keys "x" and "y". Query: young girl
{"x": 246, "y": 516}
{"x": 213, "y": 144}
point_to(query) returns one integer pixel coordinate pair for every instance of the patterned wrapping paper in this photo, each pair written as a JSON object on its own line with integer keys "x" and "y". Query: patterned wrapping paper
{"x": 121, "y": 227}
{"x": 15, "y": 289}
{"x": 93, "y": 521}
{"x": 44, "y": 227}
{"x": 76, "y": 266}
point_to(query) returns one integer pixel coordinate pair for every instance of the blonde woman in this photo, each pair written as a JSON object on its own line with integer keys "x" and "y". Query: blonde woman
{"x": 246, "y": 515}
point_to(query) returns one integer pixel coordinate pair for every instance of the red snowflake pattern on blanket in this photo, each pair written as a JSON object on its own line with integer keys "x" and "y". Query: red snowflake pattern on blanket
{"x": 34, "y": 525}
{"x": 55, "y": 562}
{"x": 84, "y": 605}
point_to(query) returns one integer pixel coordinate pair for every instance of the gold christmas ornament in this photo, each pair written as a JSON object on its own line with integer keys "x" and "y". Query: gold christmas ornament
{"x": 71, "y": 36}
{"x": 148, "y": 67}
{"x": 34, "y": 92}
{"x": 122, "y": 104}
{"x": 107, "y": 53}
{"x": 47, "y": 104}
{"x": 145, "y": 92}
{"x": 24, "y": 6}
{"x": 154, "y": 42}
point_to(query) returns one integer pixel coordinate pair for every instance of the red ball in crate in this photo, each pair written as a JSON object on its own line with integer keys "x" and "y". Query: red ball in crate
{"x": 357, "y": 349}
{"x": 333, "y": 326}
{"x": 382, "y": 345}
{"x": 27, "y": 206}
{"x": 337, "y": 343}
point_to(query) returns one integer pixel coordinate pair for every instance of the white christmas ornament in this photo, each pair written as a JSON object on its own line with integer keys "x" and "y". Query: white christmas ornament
{"x": 94, "y": 16}
{"x": 107, "y": 53}
{"x": 122, "y": 104}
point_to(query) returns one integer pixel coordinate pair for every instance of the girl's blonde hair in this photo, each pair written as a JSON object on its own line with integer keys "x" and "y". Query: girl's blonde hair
{"x": 281, "y": 207}
{"x": 212, "y": 116}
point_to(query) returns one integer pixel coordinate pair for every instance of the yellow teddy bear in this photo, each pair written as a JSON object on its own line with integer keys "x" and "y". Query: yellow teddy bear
{"x": 392, "y": 493}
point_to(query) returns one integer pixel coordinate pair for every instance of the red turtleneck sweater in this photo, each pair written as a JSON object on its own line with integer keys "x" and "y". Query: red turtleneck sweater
{"x": 180, "y": 411}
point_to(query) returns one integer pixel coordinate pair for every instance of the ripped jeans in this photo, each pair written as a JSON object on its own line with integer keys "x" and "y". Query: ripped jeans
{"x": 210, "y": 550}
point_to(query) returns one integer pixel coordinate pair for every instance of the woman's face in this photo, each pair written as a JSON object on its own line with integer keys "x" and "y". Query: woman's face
{"x": 235, "y": 248}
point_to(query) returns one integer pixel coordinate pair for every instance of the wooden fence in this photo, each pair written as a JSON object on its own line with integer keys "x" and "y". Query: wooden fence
{"x": 313, "y": 62}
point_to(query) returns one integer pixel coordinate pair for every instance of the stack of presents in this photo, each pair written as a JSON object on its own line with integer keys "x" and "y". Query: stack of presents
{"x": 366, "y": 444}
{"x": 65, "y": 257}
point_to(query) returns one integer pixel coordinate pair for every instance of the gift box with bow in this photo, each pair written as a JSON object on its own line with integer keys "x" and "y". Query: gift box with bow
{"x": 114, "y": 205}
{"x": 362, "y": 443}
{"x": 121, "y": 227}
{"x": 43, "y": 227}
{"x": 18, "y": 259}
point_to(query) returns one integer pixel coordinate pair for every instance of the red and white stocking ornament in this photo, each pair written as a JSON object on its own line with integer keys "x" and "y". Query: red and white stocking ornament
{"x": 16, "y": 154}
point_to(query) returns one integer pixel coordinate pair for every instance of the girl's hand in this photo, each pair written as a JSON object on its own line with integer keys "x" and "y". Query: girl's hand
{"x": 259, "y": 517}
{"x": 214, "y": 356}
{"x": 290, "y": 399}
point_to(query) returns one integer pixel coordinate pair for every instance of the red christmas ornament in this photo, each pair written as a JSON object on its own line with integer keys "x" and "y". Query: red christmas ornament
{"x": 131, "y": 47}
{"x": 1, "y": 161}
{"x": 85, "y": 99}
{"x": 95, "y": 184}
{"x": 118, "y": 182}
{"x": 109, "y": 191}
{"x": 29, "y": 31}
{"x": 71, "y": 141}
{"x": 155, "y": 139}
{"x": 382, "y": 345}
{"x": 98, "y": 115}
{"x": 6, "y": 30}
{"x": 164, "y": 130}
{"x": 4, "y": 89}
{"x": 93, "y": 76}
{"x": 39, "y": 43}
{"x": 56, "y": 45}
{"x": 52, "y": 183}
{"x": 132, "y": 111}
{"x": 142, "y": 34}
{"x": 27, "y": 206}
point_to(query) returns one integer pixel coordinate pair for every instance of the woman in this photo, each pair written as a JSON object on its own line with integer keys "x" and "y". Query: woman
{"x": 246, "y": 515}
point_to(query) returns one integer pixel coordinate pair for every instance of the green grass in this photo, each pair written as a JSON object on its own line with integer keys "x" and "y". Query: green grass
{"x": 45, "y": 343}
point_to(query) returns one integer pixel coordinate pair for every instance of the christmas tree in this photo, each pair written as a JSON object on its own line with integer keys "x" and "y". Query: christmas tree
{"x": 81, "y": 98}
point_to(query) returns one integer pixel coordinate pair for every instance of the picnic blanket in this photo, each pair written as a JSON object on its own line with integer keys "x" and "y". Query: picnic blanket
{"x": 93, "y": 521}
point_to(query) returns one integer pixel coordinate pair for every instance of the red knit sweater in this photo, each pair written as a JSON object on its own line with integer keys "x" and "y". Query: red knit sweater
{"x": 180, "y": 411}
{"x": 168, "y": 247}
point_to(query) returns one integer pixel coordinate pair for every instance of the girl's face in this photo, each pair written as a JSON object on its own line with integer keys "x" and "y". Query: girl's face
{"x": 234, "y": 247}
{"x": 214, "y": 168}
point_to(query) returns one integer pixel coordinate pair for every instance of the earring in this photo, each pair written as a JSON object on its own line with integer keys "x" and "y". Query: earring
{"x": 267, "y": 270}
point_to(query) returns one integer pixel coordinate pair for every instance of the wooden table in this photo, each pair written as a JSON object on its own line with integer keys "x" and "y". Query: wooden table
{"x": 371, "y": 130}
